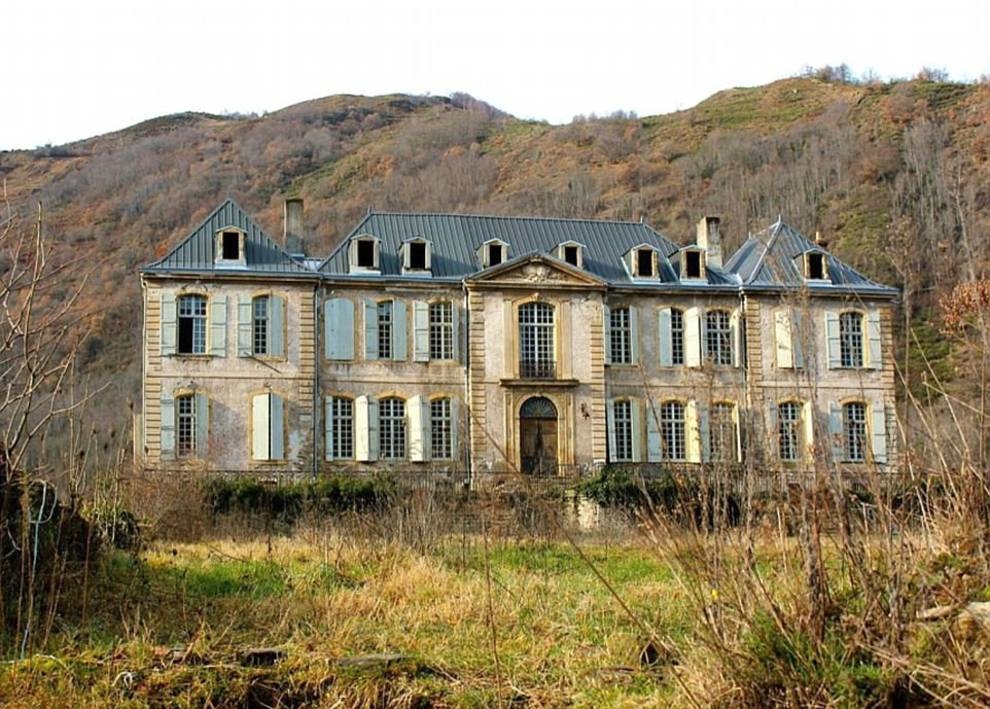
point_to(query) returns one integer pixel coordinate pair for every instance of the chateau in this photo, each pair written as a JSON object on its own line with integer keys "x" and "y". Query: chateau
{"x": 496, "y": 344}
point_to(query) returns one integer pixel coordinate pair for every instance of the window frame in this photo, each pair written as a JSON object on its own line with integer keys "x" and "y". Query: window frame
{"x": 852, "y": 340}
{"x": 198, "y": 323}
{"x": 186, "y": 445}
{"x": 440, "y": 318}
{"x": 441, "y": 429}
{"x": 392, "y": 428}
{"x": 722, "y": 418}
{"x": 718, "y": 337}
{"x": 789, "y": 432}
{"x": 340, "y": 445}
{"x": 620, "y": 335}
{"x": 855, "y": 432}
{"x": 385, "y": 311}
{"x": 622, "y": 425}
{"x": 537, "y": 324}
{"x": 673, "y": 431}
{"x": 677, "y": 337}
{"x": 261, "y": 325}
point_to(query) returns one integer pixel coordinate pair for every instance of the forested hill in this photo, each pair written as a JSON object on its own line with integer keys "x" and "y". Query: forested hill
{"x": 894, "y": 176}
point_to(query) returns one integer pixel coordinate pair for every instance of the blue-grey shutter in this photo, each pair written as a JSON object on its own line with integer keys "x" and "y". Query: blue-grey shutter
{"x": 873, "y": 340}
{"x": 373, "y": 443}
{"x": 878, "y": 432}
{"x": 455, "y": 425}
{"x": 455, "y": 320}
{"x": 836, "y": 431}
{"x": 338, "y": 317}
{"x": 633, "y": 334}
{"x": 705, "y": 432}
{"x": 245, "y": 326}
{"x": 276, "y": 322}
{"x": 276, "y": 427}
{"x": 168, "y": 323}
{"x": 610, "y": 425}
{"x": 654, "y": 446}
{"x": 607, "y": 334}
{"x": 797, "y": 338}
{"x": 328, "y": 428}
{"x": 370, "y": 329}
{"x": 400, "y": 338}
{"x": 665, "y": 344}
{"x": 773, "y": 435}
{"x": 218, "y": 326}
{"x": 421, "y": 331}
{"x": 202, "y": 426}
{"x": 832, "y": 339}
{"x": 167, "y": 426}
{"x": 636, "y": 414}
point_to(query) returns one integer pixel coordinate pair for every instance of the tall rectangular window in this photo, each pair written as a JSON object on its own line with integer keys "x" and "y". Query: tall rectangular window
{"x": 623, "y": 424}
{"x": 676, "y": 337}
{"x": 260, "y": 325}
{"x": 392, "y": 428}
{"x": 441, "y": 446}
{"x": 718, "y": 337}
{"x": 192, "y": 324}
{"x": 366, "y": 253}
{"x": 644, "y": 263}
{"x": 789, "y": 431}
{"x": 620, "y": 336}
{"x": 722, "y": 433}
{"x": 854, "y": 432}
{"x": 341, "y": 441}
{"x": 185, "y": 419}
{"x": 230, "y": 245}
{"x": 851, "y": 339}
{"x": 672, "y": 430}
{"x": 417, "y": 255}
{"x": 441, "y": 331}
{"x": 536, "y": 346}
{"x": 385, "y": 330}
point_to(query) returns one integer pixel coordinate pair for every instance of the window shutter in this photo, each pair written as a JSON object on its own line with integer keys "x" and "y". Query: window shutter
{"x": 167, "y": 426}
{"x": 260, "y": 441}
{"x": 636, "y": 411}
{"x": 373, "y": 443}
{"x": 607, "y": 333}
{"x": 421, "y": 331}
{"x": 783, "y": 340}
{"x": 666, "y": 348}
{"x": 202, "y": 426}
{"x": 244, "y": 326}
{"x": 874, "y": 359}
{"x": 692, "y": 337}
{"x": 277, "y": 427}
{"x": 455, "y": 425}
{"x": 399, "y": 335}
{"x": 218, "y": 326}
{"x": 168, "y": 324}
{"x": 693, "y": 431}
{"x": 276, "y": 334}
{"x": 654, "y": 446}
{"x": 362, "y": 429}
{"x": 735, "y": 335}
{"x": 832, "y": 340}
{"x": 610, "y": 424}
{"x": 705, "y": 433}
{"x": 772, "y": 437}
{"x": 835, "y": 430}
{"x": 370, "y": 329}
{"x": 878, "y": 432}
{"x": 633, "y": 335}
{"x": 417, "y": 420}
{"x": 455, "y": 324}
{"x": 797, "y": 335}
{"x": 338, "y": 315}
{"x": 328, "y": 428}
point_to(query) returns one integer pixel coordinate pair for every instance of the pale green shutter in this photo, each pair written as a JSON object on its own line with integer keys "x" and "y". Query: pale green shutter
{"x": 276, "y": 329}
{"x": 836, "y": 431}
{"x": 607, "y": 333}
{"x": 338, "y": 316}
{"x": 218, "y": 326}
{"x": 878, "y": 432}
{"x": 373, "y": 443}
{"x": 633, "y": 334}
{"x": 832, "y": 340}
{"x": 202, "y": 425}
{"x": 370, "y": 329}
{"x": 421, "y": 331}
{"x": 705, "y": 432}
{"x": 245, "y": 326}
{"x": 328, "y": 428}
{"x": 873, "y": 339}
{"x": 610, "y": 424}
{"x": 399, "y": 330}
{"x": 636, "y": 414}
{"x": 277, "y": 427}
{"x": 260, "y": 441}
{"x": 773, "y": 434}
{"x": 797, "y": 338}
{"x": 455, "y": 324}
{"x": 455, "y": 425}
{"x": 666, "y": 345}
{"x": 168, "y": 323}
{"x": 167, "y": 426}
{"x": 654, "y": 446}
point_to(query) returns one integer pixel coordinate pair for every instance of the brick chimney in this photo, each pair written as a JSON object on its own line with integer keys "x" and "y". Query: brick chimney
{"x": 293, "y": 236}
{"x": 710, "y": 240}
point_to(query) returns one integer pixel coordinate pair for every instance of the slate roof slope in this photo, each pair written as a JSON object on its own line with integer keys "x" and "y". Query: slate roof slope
{"x": 197, "y": 252}
{"x": 769, "y": 259}
{"x": 456, "y": 238}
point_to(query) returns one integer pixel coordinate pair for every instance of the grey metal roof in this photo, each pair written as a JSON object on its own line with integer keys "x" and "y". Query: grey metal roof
{"x": 197, "y": 252}
{"x": 769, "y": 259}
{"x": 456, "y": 238}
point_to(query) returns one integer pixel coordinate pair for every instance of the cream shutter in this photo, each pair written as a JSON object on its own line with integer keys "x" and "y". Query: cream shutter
{"x": 735, "y": 338}
{"x": 832, "y": 340}
{"x": 418, "y": 421}
{"x": 692, "y": 337}
{"x": 218, "y": 326}
{"x": 693, "y": 431}
{"x": 782, "y": 339}
{"x": 365, "y": 429}
{"x": 421, "y": 331}
{"x": 338, "y": 316}
{"x": 260, "y": 435}
{"x": 665, "y": 344}
{"x": 636, "y": 413}
{"x": 244, "y": 326}
{"x": 370, "y": 329}
{"x": 878, "y": 432}
{"x": 276, "y": 321}
{"x": 167, "y": 426}
{"x": 169, "y": 321}
{"x": 202, "y": 425}
{"x": 399, "y": 330}
{"x": 874, "y": 358}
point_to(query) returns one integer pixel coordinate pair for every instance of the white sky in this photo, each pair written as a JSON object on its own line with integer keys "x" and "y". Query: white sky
{"x": 78, "y": 68}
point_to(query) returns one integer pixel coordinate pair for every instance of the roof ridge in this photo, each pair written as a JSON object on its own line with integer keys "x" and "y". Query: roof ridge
{"x": 513, "y": 217}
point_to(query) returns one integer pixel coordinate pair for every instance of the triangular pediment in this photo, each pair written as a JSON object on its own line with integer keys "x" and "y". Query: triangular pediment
{"x": 536, "y": 269}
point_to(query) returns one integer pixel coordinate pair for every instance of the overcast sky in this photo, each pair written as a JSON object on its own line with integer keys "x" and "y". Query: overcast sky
{"x": 78, "y": 68}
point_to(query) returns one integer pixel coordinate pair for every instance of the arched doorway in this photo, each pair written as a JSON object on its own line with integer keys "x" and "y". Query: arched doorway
{"x": 538, "y": 436}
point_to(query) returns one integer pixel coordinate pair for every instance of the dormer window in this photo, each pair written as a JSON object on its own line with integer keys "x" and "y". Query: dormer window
{"x": 692, "y": 264}
{"x": 642, "y": 261}
{"x": 230, "y": 247}
{"x": 572, "y": 253}
{"x": 493, "y": 252}
{"x": 364, "y": 254}
{"x": 415, "y": 255}
{"x": 815, "y": 266}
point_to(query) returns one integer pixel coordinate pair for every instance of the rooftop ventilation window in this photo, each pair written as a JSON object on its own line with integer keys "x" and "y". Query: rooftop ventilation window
{"x": 572, "y": 253}
{"x": 230, "y": 247}
{"x": 492, "y": 253}
{"x": 644, "y": 263}
{"x": 693, "y": 264}
{"x": 364, "y": 254}
{"x": 415, "y": 255}
{"x": 815, "y": 267}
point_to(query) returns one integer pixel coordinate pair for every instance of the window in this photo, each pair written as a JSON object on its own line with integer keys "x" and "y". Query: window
{"x": 536, "y": 346}
{"x": 692, "y": 264}
{"x": 494, "y": 254}
{"x": 620, "y": 336}
{"x": 722, "y": 433}
{"x": 672, "y": 430}
{"x": 230, "y": 245}
{"x": 789, "y": 431}
{"x": 676, "y": 337}
{"x": 644, "y": 263}
{"x": 623, "y": 424}
{"x": 192, "y": 324}
{"x": 385, "y": 330}
{"x": 441, "y": 445}
{"x": 340, "y": 428}
{"x": 392, "y": 428}
{"x": 267, "y": 427}
{"x": 572, "y": 255}
{"x": 854, "y": 432}
{"x": 417, "y": 255}
{"x": 185, "y": 424}
{"x": 366, "y": 253}
{"x": 851, "y": 339}
{"x": 260, "y": 325}
{"x": 815, "y": 265}
{"x": 441, "y": 331}
{"x": 718, "y": 337}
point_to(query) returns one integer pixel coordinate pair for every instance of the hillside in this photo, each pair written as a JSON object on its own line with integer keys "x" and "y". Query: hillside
{"x": 894, "y": 176}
